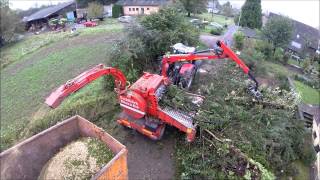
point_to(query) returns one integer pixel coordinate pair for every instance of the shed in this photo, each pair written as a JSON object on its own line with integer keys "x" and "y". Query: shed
{"x": 42, "y": 16}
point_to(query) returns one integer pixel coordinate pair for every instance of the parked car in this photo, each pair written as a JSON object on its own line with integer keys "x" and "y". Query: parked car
{"x": 125, "y": 19}
{"x": 216, "y": 25}
{"x": 197, "y": 23}
{"x": 90, "y": 24}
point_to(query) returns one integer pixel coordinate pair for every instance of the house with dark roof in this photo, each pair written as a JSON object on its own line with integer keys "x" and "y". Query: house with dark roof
{"x": 250, "y": 33}
{"x": 141, "y": 7}
{"x": 305, "y": 40}
{"x": 42, "y": 16}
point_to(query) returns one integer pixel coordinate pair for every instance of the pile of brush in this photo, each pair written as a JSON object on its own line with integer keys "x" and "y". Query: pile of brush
{"x": 239, "y": 136}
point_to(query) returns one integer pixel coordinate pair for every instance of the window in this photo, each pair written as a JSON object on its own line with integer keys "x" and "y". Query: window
{"x": 296, "y": 44}
{"x": 147, "y": 8}
{"x": 129, "y": 9}
{"x": 137, "y": 9}
{"x": 132, "y": 9}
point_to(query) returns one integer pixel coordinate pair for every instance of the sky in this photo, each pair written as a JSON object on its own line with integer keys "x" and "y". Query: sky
{"x": 306, "y": 11}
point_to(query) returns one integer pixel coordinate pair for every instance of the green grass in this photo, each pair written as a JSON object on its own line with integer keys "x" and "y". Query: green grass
{"x": 294, "y": 62}
{"x": 32, "y": 75}
{"x": 303, "y": 171}
{"x": 108, "y": 25}
{"x": 15, "y": 52}
{"x": 26, "y": 89}
{"x": 223, "y": 20}
{"x": 308, "y": 94}
{"x": 18, "y": 51}
{"x": 276, "y": 69}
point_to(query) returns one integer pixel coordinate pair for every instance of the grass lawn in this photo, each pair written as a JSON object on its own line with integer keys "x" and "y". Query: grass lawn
{"x": 276, "y": 69}
{"x": 223, "y": 20}
{"x": 308, "y": 94}
{"x": 294, "y": 62}
{"x": 17, "y": 51}
{"x": 52, "y": 61}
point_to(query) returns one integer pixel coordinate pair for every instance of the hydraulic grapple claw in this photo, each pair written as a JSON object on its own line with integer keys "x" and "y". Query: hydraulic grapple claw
{"x": 253, "y": 90}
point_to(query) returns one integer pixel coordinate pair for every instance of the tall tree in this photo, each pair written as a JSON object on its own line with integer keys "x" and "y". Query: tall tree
{"x": 10, "y": 23}
{"x": 227, "y": 9}
{"x": 95, "y": 10}
{"x": 192, "y": 6}
{"x": 251, "y": 15}
{"x": 278, "y": 31}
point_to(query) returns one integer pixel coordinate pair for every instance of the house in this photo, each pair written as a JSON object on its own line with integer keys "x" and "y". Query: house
{"x": 250, "y": 33}
{"x": 305, "y": 40}
{"x": 141, "y": 7}
{"x": 41, "y": 17}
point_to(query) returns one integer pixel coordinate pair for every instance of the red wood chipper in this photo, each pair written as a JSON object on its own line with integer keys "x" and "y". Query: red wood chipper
{"x": 140, "y": 101}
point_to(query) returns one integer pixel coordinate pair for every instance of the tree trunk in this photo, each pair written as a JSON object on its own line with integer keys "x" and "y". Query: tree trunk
{"x": 189, "y": 14}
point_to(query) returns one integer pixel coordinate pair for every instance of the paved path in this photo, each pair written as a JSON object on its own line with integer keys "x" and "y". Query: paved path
{"x": 227, "y": 37}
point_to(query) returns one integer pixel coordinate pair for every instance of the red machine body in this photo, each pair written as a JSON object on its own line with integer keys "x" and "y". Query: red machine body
{"x": 187, "y": 68}
{"x": 90, "y": 24}
{"x": 56, "y": 97}
{"x": 139, "y": 102}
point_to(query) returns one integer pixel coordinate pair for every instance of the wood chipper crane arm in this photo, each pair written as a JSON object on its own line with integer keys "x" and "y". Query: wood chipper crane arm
{"x": 57, "y": 96}
{"x": 223, "y": 51}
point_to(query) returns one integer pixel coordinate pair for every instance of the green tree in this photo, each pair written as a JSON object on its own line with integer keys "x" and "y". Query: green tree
{"x": 148, "y": 39}
{"x": 192, "y": 6}
{"x": 227, "y": 9}
{"x": 95, "y": 10}
{"x": 10, "y": 23}
{"x": 278, "y": 31}
{"x": 117, "y": 11}
{"x": 251, "y": 15}
{"x": 168, "y": 27}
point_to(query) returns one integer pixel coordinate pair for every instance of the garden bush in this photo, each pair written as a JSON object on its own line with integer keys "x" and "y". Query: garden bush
{"x": 216, "y": 31}
{"x": 265, "y": 48}
{"x": 238, "y": 40}
{"x": 306, "y": 65}
{"x": 278, "y": 55}
{"x": 286, "y": 57}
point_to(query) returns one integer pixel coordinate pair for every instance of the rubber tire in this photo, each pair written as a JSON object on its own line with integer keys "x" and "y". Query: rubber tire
{"x": 162, "y": 133}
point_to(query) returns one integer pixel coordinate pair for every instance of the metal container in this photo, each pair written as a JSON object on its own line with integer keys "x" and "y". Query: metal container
{"x": 26, "y": 159}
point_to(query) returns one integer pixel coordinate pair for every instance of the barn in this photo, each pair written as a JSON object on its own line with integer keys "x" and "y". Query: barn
{"x": 41, "y": 17}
